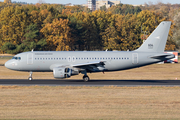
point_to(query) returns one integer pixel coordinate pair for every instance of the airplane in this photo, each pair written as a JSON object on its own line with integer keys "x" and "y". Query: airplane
{"x": 65, "y": 64}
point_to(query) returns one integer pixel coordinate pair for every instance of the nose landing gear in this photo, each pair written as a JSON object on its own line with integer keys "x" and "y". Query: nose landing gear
{"x": 30, "y": 76}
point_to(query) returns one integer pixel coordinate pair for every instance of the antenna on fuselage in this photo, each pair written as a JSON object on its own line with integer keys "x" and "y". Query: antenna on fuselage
{"x": 32, "y": 50}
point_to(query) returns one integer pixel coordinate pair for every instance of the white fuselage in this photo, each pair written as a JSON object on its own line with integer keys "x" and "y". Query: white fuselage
{"x": 46, "y": 60}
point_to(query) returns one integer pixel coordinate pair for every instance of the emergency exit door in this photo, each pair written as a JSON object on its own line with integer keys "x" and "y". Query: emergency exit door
{"x": 29, "y": 58}
{"x": 135, "y": 58}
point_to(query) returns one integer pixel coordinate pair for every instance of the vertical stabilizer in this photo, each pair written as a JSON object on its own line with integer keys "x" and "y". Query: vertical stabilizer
{"x": 156, "y": 42}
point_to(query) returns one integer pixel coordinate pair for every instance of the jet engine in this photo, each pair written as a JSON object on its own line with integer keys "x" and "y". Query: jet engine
{"x": 60, "y": 72}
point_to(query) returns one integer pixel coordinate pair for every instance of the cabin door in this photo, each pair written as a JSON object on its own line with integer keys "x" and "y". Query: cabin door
{"x": 135, "y": 58}
{"x": 29, "y": 58}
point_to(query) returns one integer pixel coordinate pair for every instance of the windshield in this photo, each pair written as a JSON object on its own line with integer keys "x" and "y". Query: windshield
{"x": 17, "y": 58}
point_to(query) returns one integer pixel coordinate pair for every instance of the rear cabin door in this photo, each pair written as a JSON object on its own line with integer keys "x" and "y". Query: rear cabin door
{"x": 30, "y": 58}
{"x": 135, "y": 58}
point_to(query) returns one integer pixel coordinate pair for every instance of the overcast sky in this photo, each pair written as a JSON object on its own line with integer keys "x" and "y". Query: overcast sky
{"x": 136, "y": 2}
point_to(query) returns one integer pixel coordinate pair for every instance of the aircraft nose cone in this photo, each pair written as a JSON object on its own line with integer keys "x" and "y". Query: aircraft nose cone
{"x": 11, "y": 65}
{"x": 7, "y": 64}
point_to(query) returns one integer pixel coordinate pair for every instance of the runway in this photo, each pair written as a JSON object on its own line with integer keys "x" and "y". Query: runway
{"x": 53, "y": 82}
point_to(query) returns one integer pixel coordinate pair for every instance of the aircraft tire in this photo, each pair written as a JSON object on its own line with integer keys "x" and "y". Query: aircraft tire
{"x": 30, "y": 78}
{"x": 85, "y": 78}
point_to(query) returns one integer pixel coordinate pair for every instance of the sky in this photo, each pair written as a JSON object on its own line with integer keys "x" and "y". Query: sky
{"x": 134, "y": 2}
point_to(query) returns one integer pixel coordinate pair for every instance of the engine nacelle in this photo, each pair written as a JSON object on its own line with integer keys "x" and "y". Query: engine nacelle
{"x": 61, "y": 72}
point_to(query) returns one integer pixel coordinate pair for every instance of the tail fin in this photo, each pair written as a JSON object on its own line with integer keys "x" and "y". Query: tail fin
{"x": 157, "y": 40}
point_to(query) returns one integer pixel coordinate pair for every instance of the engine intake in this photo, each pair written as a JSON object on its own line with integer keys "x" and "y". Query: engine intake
{"x": 64, "y": 72}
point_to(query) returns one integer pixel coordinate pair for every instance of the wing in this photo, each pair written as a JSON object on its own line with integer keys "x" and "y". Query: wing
{"x": 93, "y": 66}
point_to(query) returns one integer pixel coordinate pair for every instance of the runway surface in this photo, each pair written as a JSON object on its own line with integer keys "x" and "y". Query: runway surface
{"x": 54, "y": 82}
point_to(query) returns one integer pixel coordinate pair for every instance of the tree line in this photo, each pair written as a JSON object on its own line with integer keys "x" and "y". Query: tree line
{"x": 70, "y": 28}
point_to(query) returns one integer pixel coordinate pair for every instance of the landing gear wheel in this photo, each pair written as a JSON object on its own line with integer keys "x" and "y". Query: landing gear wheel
{"x": 30, "y": 78}
{"x": 85, "y": 78}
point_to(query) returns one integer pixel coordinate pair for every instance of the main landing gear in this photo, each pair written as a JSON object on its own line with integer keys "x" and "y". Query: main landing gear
{"x": 85, "y": 78}
{"x": 30, "y": 76}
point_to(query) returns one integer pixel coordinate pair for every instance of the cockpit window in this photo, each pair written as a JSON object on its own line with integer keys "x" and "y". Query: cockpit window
{"x": 17, "y": 58}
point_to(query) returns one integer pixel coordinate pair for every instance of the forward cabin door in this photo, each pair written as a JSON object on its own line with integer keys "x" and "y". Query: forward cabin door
{"x": 30, "y": 58}
{"x": 135, "y": 58}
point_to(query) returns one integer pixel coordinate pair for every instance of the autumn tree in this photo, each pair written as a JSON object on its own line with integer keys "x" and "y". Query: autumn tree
{"x": 124, "y": 9}
{"x": 176, "y": 31}
{"x": 29, "y": 42}
{"x": 13, "y": 22}
{"x": 58, "y": 35}
{"x": 7, "y": 1}
{"x": 91, "y": 39}
{"x": 60, "y": 27}
{"x": 78, "y": 33}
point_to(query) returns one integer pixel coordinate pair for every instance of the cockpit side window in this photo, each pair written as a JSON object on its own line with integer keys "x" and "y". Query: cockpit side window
{"x": 17, "y": 58}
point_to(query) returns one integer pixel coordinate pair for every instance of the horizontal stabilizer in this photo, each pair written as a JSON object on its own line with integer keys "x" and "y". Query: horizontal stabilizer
{"x": 163, "y": 56}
